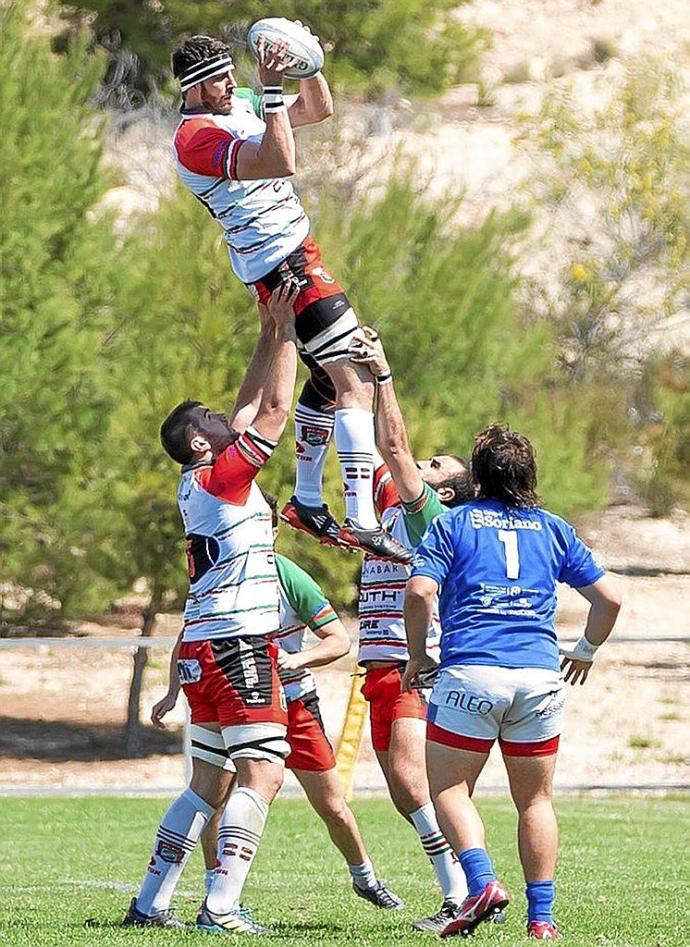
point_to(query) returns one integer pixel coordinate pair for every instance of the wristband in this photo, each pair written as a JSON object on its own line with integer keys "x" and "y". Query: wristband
{"x": 384, "y": 378}
{"x": 582, "y": 651}
{"x": 273, "y": 98}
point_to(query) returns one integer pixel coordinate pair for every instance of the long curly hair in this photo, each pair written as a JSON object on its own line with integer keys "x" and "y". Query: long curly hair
{"x": 504, "y": 466}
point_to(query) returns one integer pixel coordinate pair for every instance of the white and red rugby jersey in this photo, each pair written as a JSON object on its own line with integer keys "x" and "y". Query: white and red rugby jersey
{"x": 382, "y": 587}
{"x": 263, "y": 221}
{"x": 233, "y": 581}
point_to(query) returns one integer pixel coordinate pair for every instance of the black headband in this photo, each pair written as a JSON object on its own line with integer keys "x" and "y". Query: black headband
{"x": 200, "y": 71}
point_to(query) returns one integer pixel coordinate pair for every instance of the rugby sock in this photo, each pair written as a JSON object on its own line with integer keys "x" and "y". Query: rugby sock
{"x": 313, "y": 433}
{"x": 355, "y": 442}
{"x": 540, "y": 898}
{"x": 436, "y": 846}
{"x": 208, "y": 878}
{"x": 241, "y": 827}
{"x": 177, "y": 835}
{"x": 363, "y": 875}
{"x": 478, "y": 869}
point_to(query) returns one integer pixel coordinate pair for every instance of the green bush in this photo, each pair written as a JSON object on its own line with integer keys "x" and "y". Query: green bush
{"x": 376, "y": 45}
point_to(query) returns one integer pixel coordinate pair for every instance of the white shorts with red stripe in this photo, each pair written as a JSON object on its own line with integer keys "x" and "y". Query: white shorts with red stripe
{"x": 472, "y": 705}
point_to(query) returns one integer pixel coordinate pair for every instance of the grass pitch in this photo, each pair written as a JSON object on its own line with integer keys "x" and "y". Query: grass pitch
{"x": 623, "y": 875}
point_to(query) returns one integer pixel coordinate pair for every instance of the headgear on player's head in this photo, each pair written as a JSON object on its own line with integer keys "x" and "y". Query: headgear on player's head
{"x": 201, "y": 71}
{"x": 199, "y": 58}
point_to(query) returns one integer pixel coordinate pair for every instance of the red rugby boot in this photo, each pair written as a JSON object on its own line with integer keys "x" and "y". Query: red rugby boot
{"x": 542, "y": 930}
{"x": 477, "y": 908}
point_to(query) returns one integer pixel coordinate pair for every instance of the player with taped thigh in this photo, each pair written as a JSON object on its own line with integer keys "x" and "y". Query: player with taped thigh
{"x": 409, "y": 497}
{"x": 227, "y": 661}
{"x": 234, "y": 150}
{"x": 496, "y": 561}
{"x": 302, "y": 606}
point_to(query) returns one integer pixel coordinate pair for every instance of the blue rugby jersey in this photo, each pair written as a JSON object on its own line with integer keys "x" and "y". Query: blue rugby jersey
{"x": 497, "y": 567}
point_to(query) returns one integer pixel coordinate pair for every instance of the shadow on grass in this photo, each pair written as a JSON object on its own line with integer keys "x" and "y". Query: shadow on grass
{"x": 62, "y": 742}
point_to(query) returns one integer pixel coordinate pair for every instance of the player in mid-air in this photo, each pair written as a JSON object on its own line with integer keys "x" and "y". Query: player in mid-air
{"x": 235, "y": 150}
{"x": 227, "y": 659}
{"x": 303, "y": 606}
{"x": 409, "y": 496}
{"x": 495, "y": 562}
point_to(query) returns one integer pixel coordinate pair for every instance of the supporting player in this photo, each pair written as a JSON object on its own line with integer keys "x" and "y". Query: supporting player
{"x": 409, "y": 495}
{"x": 234, "y": 151}
{"x": 496, "y": 561}
{"x": 227, "y": 661}
{"x": 302, "y": 605}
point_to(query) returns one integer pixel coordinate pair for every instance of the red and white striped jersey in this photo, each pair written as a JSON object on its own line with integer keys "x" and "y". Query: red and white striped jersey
{"x": 382, "y": 587}
{"x": 263, "y": 221}
{"x": 233, "y": 581}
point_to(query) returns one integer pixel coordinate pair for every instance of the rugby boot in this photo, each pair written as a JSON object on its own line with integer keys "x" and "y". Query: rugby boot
{"x": 377, "y": 542}
{"x": 437, "y": 922}
{"x": 314, "y": 520}
{"x": 380, "y": 896}
{"x": 542, "y": 930}
{"x": 134, "y": 918}
{"x": 237, "y": 921}
{"x": 477, "y": 908}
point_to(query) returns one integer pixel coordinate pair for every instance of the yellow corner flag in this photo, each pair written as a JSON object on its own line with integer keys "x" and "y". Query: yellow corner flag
{"x": 351, "y": 736}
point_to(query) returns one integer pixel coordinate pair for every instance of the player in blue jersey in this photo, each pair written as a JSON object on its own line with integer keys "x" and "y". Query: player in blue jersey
{"x": 495, "y": 562}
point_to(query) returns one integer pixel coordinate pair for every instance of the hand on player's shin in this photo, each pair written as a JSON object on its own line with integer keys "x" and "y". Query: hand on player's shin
{"x": 366, "y": 348}
{"x": 163, "y": 707}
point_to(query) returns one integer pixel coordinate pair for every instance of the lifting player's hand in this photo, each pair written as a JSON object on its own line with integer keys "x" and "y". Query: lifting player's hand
{"x": 274, "y": 59}
{"x": 281, "y": 305}
{"x": 366, "y": 348}
{"x": 289, "y": 662}
{"x": 163, "y": 707}
{"x": 419, "y": 673}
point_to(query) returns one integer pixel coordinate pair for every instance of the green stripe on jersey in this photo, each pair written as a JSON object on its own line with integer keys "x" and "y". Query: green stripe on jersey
{"x": 255, "y": 99}
{"x": 302, "y": 592}
{"x": 421, "y": 512}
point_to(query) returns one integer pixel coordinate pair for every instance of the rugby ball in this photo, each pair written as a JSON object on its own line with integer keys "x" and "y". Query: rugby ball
{"x": 301, "y": 44}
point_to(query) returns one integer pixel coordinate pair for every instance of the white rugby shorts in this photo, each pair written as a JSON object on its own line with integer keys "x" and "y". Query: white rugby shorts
{"x": 472, "y": 705}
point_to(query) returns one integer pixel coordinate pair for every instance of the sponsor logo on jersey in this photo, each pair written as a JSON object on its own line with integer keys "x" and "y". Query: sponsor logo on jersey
{"x": 496, "y": 520}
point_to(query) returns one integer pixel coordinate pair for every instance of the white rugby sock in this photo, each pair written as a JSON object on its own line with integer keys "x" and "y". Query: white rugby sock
{"x": 363, "y": 875}
{"x": 208, "y": 878}
{"x": 450, "y": 875}
{"x": 313, "y": 433}
{"x": 355, "y": 442}
{"x": 241, "y": 827}
{"x": 177, "y": 835}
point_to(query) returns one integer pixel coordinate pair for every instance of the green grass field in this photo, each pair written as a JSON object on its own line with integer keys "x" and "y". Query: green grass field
{"x": 623, "y": 879}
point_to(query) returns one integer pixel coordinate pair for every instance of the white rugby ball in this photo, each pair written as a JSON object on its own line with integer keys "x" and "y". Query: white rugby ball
{"x": 301, "y": 44}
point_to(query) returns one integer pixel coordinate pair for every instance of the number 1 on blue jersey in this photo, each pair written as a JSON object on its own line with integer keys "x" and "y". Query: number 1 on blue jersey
{"x": 510, "y": 543}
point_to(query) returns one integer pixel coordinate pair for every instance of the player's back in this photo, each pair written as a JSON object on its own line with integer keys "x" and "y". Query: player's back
{"x": 498, "y": 567}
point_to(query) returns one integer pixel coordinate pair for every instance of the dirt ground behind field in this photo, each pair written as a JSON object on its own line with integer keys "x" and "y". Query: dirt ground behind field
{"x": 62, "y": 710}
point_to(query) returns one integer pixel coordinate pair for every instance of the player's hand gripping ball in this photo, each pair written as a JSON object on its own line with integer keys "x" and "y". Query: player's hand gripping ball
{"x": 300, "y": 44}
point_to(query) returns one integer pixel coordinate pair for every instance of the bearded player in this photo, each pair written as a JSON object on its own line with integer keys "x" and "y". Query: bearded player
{"x": 234, "y": 151}
{"x": 409, "y": 496}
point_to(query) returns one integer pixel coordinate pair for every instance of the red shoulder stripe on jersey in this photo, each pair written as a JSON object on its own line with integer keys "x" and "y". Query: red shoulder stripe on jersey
{"x": 203, "y": 147}
{"x": 385, "y": 491}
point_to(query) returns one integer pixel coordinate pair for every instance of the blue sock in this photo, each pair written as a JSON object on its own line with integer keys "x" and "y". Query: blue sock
{"x": 540, "y": 898}
{"x": 478, "y": 869}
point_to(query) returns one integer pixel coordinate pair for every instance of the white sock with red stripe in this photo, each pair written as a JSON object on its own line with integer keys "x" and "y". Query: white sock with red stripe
{"x": 313, "y": 433}
{"x": 448, "y": 870}
{"x": 239, "y": 833}
{"x": 177, "y": 835}
{"x": 355, "y": 442}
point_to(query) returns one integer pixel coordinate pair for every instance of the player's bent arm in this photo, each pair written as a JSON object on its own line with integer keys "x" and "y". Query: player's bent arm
{"x": 314, "y": 103}
{"x": 272, "y": 157}
{"x": 605, "y": 603}
{"x": 334, "y": 644}
{"x": 419, "y": 604}
{"x": 276, "y": 400}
